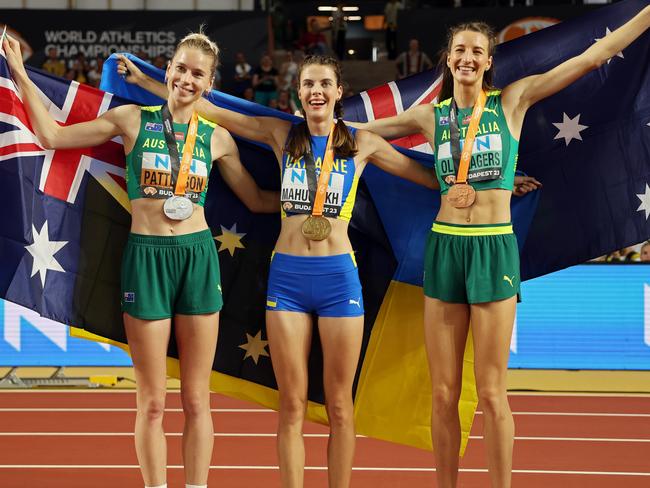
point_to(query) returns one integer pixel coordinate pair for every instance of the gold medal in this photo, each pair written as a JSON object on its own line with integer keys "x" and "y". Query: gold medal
{"x": 461, "y": 195}
{"x": 316, "y": 228}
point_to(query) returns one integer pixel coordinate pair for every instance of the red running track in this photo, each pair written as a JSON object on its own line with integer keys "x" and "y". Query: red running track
{"x": 76, "y": 439}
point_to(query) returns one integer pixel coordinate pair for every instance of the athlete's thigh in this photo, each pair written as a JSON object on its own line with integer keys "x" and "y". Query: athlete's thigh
{"x": 148, "y": 340}
{"x": 341, "y": 339}
{"x": 289, "y": 335}
{"x": 445, "y": 335}
{"x": 492, "y": 324}
{"x": 196, "y": 337}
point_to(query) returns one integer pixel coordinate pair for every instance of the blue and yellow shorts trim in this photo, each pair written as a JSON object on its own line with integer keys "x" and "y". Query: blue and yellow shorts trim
{"x": 328, "y": 286}
{"x": 471, "y": 263}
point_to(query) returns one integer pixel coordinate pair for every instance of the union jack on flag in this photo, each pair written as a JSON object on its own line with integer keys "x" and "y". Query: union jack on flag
{"x": 63, "y": 170}
{"x": 48, "y": 183}
{"x": 394, "y": 98}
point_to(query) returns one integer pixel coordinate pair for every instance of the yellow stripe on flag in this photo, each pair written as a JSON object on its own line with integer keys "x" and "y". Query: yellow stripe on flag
{"x": 393, "y": 400}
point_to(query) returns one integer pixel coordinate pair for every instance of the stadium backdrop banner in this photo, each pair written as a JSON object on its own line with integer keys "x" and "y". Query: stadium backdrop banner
{"x": 585, "y": 317}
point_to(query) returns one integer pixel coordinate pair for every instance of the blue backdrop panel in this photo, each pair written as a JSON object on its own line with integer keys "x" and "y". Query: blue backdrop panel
{"x": 585, "y": 317}
{"x": 29, "y": 340}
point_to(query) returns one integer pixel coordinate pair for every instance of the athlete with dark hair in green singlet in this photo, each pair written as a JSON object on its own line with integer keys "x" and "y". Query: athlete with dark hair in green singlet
{"x": 471, "y": 262}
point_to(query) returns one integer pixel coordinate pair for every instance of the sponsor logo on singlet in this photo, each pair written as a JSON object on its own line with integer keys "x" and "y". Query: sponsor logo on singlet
{"x": 444, "y": 120}
{"x": 295, "y": 192}
{"x": 486, "y": 161}
{"x": 157, "y": 172}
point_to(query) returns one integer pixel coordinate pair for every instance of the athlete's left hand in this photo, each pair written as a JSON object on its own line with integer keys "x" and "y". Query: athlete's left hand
{"x": 525, "y": 184}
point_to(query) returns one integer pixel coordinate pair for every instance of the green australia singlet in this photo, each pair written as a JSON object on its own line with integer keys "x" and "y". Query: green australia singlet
{"x": 148, "y": 165}
{"x": 494, "y": 155}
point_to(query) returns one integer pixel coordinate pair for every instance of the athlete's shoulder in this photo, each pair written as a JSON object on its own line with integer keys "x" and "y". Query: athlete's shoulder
{"x": 208, "y": 122}
{"x": 353, "y": 130}
{"x": 128, "y": 113}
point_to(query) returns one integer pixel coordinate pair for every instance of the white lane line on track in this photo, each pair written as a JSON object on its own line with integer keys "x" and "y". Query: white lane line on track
{"x": 317, "y": 468}
{"x": 266, "y": 410}
{"x": 246, "y": 434}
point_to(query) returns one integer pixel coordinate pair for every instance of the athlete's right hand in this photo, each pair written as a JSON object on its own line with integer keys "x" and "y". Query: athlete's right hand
{"x": 14, "y": 57}
{"x": 128, "y": 70}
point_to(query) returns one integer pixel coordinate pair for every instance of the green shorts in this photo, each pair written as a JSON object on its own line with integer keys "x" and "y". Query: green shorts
{"x": 167, "y": 275}
{"x": 471, "y": 263}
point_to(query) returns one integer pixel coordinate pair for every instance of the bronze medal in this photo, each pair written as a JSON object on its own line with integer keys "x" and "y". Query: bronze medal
{"x": 461, "y": 195}
{"x": 316, "y": 228}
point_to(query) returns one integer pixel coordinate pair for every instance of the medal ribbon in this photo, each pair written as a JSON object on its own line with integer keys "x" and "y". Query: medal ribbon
{"x": 454, "y": 133}
{"x": 323, "y": 180}
{"x": 180, "y": 171}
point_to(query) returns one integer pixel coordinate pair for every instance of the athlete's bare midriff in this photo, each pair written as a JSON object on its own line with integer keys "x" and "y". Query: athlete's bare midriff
{"x": 147, "y": 218}
{"x": 490, "y": 207}
{"x": 291, "y": 240}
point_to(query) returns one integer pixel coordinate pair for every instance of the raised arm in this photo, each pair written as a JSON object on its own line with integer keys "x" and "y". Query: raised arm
{"x": 520, "y": 95}
{"x": 383, "y": 155}
{"x": 267, "y": 130}
{"x": 238, "y": 178}
{"x": 50, "y": 134}
{"x": 418, "y": 119}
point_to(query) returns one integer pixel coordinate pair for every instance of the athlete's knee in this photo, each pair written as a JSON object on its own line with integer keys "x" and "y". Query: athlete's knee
{"x": 445, "y": 399}
{"x": 152, "y": 408}
{"x": 340, "y": 411}
{"x": 493, "y": 400}
{"x": 195, "y": 403}
{"x": 292, "y": 408}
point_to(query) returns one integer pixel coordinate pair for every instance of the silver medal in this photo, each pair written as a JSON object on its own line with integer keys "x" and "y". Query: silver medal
{"x": 178, "y": 208}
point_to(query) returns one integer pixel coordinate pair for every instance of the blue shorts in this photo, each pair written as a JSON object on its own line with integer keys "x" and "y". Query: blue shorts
{"x": 328, "y": 286}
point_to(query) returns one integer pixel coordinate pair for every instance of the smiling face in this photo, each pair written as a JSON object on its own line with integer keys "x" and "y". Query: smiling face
{"x": 189, "y": 75}
{"x": 468, "y": 57}
{"x": 319, "y": 90}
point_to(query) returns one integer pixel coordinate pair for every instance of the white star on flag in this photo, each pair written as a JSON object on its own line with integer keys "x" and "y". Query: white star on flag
{"x": 569, "y": 129}
{"x": 608, "y": 32}
{"x": 43, "y": 251}
{"x": 645, "y": 201}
